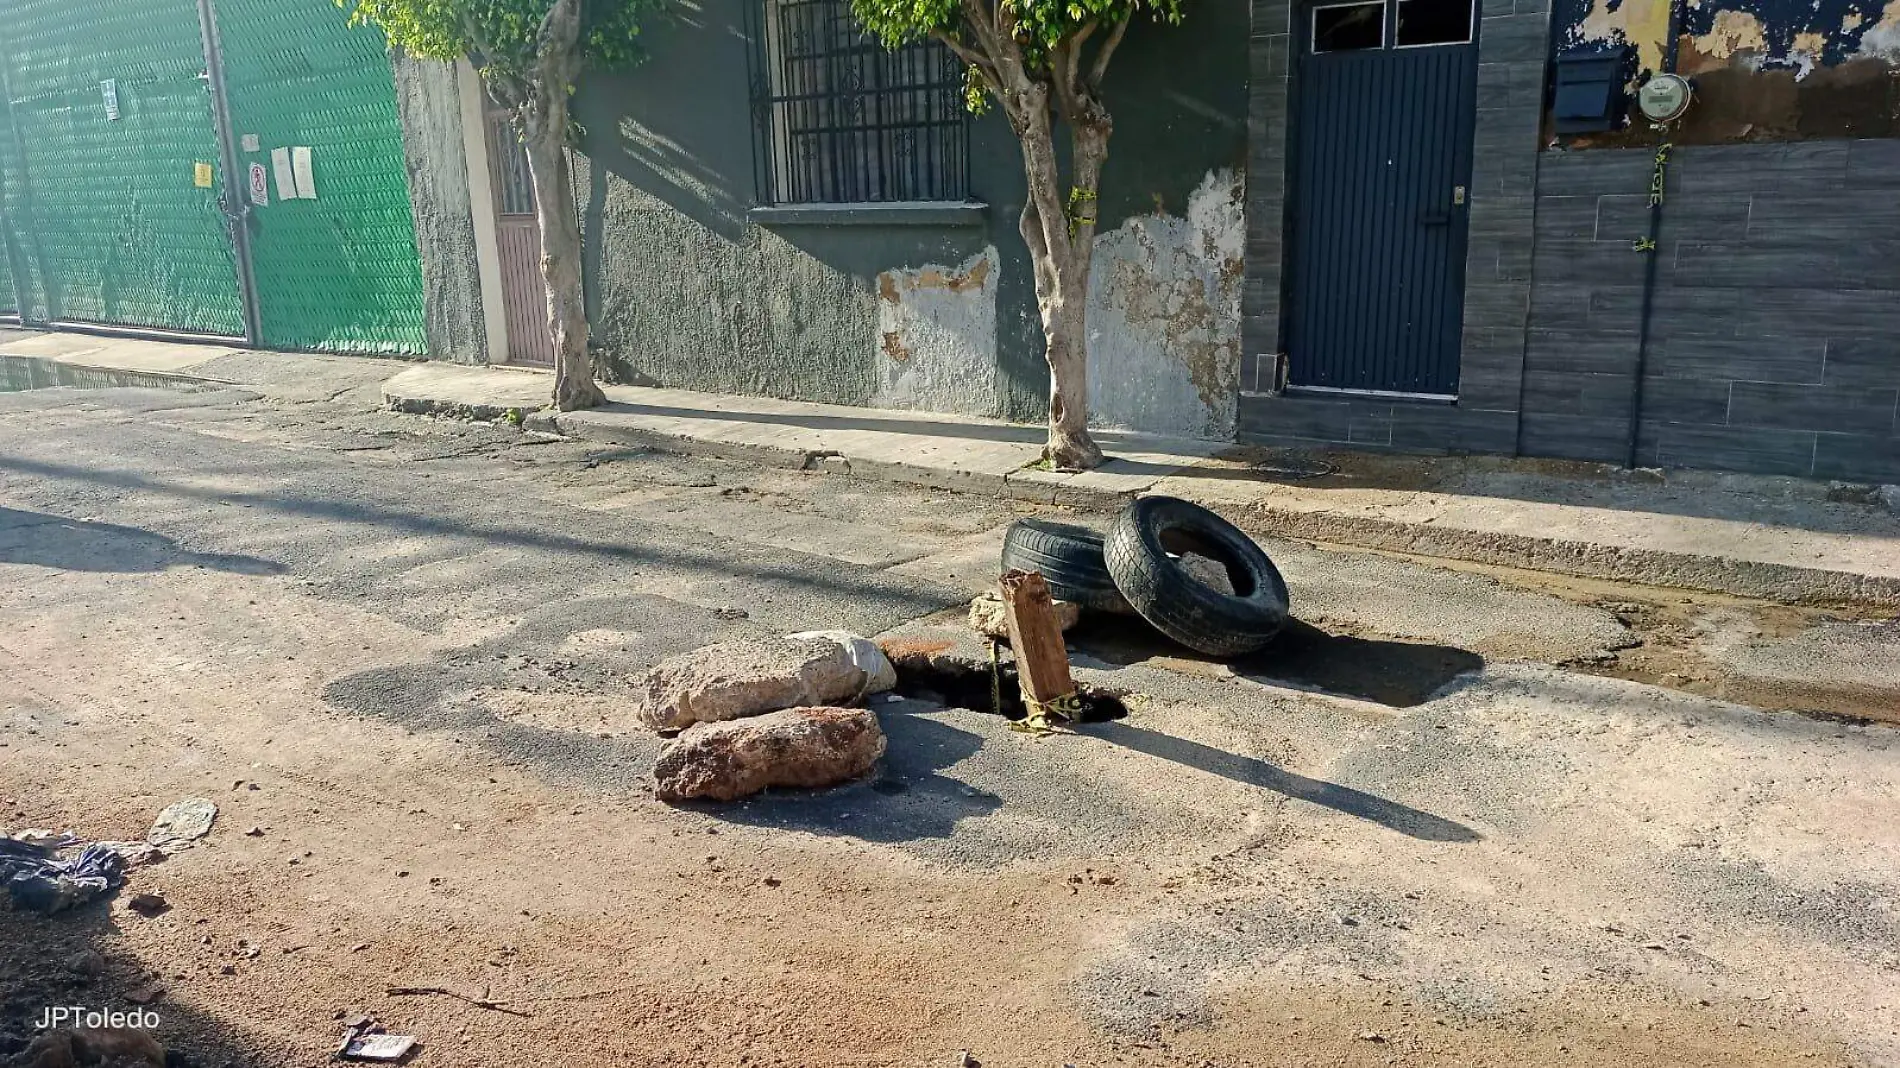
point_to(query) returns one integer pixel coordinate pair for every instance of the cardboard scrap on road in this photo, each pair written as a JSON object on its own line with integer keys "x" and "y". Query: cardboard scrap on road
{"x": 364, "y": 1042}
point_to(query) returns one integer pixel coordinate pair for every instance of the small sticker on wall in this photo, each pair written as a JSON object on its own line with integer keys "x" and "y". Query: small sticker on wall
{"x": 300, "y": 169}
{"x": 201, "y": 174}
{"x": 280, "y": 167}
{"x": 260, "y": 185}
{"x": 249, "y": 142}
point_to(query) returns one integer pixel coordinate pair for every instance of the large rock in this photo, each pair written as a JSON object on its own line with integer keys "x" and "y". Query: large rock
{"x": 803, "y": 747}
{"x": 721, "y": 682}
{"x": 988, "y": 618}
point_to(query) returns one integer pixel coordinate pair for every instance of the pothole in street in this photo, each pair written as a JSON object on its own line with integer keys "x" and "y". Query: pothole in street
{"x": 979, "y": 688}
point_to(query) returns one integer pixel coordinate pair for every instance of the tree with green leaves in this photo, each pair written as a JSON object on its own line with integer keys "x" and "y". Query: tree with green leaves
{"x": 529, "y": 53}
{"x": 1043, "y": 61}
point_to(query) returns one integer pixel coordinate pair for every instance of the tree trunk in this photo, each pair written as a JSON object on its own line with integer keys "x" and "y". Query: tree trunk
{"x": 544, "y": 122}
{"x": 1065, "y": 334}
{"x": 1059, "y": 250}
{"x": 561, "y": 268}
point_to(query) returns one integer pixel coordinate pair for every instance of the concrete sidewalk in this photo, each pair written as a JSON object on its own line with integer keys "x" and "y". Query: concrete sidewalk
{"x": 1781, "y": 539}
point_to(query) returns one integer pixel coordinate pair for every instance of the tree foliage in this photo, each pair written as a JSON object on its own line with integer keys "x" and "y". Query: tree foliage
{"x": 1041, "y": 28}
{"x": 506, "y": 39}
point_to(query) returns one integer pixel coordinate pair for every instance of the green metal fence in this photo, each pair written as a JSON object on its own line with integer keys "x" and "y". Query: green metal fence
{"x": 8, "y": 305}
{"x": 112, "y": 183}
{"x": 15, "y": 268}
{"x": 339, "y": 271}
{"x": 114, "y": 126}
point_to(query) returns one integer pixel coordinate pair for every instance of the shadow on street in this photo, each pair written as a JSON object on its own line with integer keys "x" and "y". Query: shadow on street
{"x": 1252, "y": 772}
{"x": 1392, "y": 673}
{"x": 68, "y": 545}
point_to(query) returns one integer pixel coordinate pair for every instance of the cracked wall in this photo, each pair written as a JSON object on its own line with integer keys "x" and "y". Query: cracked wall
{"x": 688, "y": 287}
{"x": 1164, "y": 316}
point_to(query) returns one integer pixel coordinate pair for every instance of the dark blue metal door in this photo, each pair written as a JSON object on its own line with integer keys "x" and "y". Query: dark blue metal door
{"x": 1386, "y": 102}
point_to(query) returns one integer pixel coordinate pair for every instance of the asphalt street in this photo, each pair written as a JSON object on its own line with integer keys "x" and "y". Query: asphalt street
{"x": 399, "y": 650}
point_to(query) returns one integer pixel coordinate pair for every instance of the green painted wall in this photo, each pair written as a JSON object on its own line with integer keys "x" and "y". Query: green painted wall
{"x": 684, "y": 290}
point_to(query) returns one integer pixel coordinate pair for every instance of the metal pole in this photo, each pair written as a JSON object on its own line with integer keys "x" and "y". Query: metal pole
{"x": 8, "y": 241}
{"x": 232, "y": 200}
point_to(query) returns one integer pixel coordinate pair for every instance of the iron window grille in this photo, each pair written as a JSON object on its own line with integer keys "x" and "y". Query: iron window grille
{"x": 840, "y": 119}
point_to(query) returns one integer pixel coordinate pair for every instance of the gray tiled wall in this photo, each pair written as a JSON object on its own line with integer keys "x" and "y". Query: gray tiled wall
{"x": 1511, "y": 55}
{"x": 1775, "y": 332}
{"x": 1268, "y": 59}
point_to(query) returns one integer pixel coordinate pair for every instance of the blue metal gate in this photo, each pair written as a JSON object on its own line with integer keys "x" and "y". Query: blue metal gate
{"x": 1386, "y": 102}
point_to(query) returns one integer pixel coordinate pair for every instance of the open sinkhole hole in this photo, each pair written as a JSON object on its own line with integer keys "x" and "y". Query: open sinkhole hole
{"x": 959, "y": 684}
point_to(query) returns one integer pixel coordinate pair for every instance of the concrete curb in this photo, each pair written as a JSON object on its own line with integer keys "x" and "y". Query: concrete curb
{"x": 578, "y": 425}
{"x": 1784, "y": 583}
{"x": 1016, "y": 485}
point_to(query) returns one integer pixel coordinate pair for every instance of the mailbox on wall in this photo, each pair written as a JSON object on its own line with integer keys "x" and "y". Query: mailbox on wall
{"x": 1589, "y": 94}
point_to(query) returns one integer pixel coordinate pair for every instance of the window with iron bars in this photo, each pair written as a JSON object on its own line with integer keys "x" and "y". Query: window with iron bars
{"x": 840, "y": 119}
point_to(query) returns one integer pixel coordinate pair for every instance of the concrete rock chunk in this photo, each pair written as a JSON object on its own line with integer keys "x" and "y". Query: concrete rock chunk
{"x": 879, "y": 675}
{"x": 801, "y": 747}
{"x": 734, "y": 679}
{"x": 182, "y": 823}
{"x": 987, "y": 618}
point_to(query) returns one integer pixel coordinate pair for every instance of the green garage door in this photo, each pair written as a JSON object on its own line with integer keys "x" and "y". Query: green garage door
{"x": 340, "y": 271}
{"x": 114, "y": 205}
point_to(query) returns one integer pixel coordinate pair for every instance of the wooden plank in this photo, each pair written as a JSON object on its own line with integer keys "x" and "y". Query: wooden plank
{"x": 1042, "y": 660}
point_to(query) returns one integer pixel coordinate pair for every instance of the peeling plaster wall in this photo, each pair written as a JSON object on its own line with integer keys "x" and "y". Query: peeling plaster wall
{"x": 1765, "y": 70}
{"x": 1164, "y": 317}
{"x": 937, "y": 337}
{"x": 428, "y": 104}
{"x": 686, "y": 289}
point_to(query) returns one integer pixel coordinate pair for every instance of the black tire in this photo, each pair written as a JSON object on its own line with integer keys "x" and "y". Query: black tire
{"x": 1070, "y": 560}
{"x": 1198, "y": 616}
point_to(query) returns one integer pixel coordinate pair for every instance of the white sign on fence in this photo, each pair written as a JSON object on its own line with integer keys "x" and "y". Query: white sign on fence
{"x": 306, "y": 179}
{"x": 280, "y": 166}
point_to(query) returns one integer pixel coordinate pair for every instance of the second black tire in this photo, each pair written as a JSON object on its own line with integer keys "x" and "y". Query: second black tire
{"x": 1070, "y": 560}
{"x": 1142, "y": 556}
